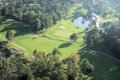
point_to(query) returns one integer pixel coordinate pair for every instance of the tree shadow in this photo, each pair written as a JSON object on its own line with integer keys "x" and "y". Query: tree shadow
{"x": 104, "y": 66}
{"x": 55, "y": 39}
{"x": 2, "y": 44}
{"x": 64, "y": 45}
{"x": 20, "y": 28}
{"x": 105, "y": 49}
{"x": 66, "y": 60}
{"x": 81, "y": 32}
{"x": 2, "y": 19}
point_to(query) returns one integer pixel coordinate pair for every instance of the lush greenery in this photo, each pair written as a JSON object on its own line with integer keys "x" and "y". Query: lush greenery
{"x": 42, "y": 66}
{"x": 40, "y": 42}
{"x": 38, "y": 15}
{"x": 106, "y": 38}
{"x": 106, "y": 41}
{"x": 56, "y": 37}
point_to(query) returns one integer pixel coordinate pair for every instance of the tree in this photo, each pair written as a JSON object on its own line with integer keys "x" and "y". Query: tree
{"x": 19, "y": 13}
{"x": 73, "y": 67}
{"x": 28, "y": 13}
{"x": 44, "y": 32}
{"x": 46, "y": 65}
{"x": 37, "y": 25}
{"x": 3, "y": 11}
{"x": 74, "y": 37}
{"x": 56, "y": 51}
{"x": 35, "y": 52}
{"x": 86, "y": 67}
{"x": 11, "y": 10}
{"x": 9, "y": 35}
{"x": 55, "y": 17}
{"x": 14, "y": 68}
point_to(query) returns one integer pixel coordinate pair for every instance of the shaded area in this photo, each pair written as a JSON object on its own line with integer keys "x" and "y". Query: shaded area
{"x": 2, "y": 43}
{"x": 4, "y": 52}
{"x": 64, "y": 45}
{"x": 20, "y": 28}
{"x": 81, "y": 32}
{"x": 66, "y": 60}
{"x": 55, "y": 39}
{"x": 2, "y": 19}
{"x": 104, "y": 49}
{"x": 105, "y": 68}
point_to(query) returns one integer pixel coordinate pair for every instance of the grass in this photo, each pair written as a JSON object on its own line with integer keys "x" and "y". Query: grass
{"x": 105, "y": 68}
{"x": 56, "y": 37}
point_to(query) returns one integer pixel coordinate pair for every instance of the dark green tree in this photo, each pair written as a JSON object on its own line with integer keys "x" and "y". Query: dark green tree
{"x": 11, "y": 10}
{"x": 9, "y": 35}
{"x": 73, "y": 37}
{"x": 56, "y": 51}
{"x": 19, "y": 13}
{"x": 37, "y": 25}
{"x": 4, "y": 11}
{"x": 86, "y": 67}
{"x": 73, "y": 67}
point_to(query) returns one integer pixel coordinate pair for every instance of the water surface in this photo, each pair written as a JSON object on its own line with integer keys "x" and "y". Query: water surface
{"x": 79, "y": 22}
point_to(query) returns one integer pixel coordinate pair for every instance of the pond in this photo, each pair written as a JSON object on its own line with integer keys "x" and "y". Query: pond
{"x": 79, "y": 22}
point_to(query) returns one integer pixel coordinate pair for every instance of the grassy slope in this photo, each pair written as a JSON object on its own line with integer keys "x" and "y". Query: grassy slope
{"x": 105, "y": 69}
{"x": 56, "y": 37}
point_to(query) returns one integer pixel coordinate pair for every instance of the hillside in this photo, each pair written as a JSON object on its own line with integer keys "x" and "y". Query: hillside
{"x": 56, "y": 37}
{"x": 38, "y": 43}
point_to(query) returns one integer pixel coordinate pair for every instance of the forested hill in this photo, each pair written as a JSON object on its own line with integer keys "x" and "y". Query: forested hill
{"x": 38, "y": 14}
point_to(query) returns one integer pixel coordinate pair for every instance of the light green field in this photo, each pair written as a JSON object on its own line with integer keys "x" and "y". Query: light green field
{"x": 56, "y": 37}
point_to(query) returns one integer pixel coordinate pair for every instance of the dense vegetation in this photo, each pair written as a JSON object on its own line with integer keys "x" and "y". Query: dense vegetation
{"x": 106, "y": 38}
{"x": 38, "y": 15}
{"x": 42, "y": 66}
{"x": 106, "y": 41}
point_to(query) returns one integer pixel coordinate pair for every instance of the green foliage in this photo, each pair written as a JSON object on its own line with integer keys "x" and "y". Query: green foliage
{"x": 37, "y": 25}
{"x": 9, "y": 35}
{"x": 19, "y": 13}
{"x": 107, "y": 40}
{"x": 73, "y": 68}
{"x": 15, "y": 68}
{"x": 56, "y": 51}
{"x": 74, "y": 37}
{"x": 84, "y": 11}
{"x": 11, "y": 10}
{"x": 3, "y": 11}
{"x": 41, "y": 66}
{"x": 55, "y": 37}
{"x": 42, "y": 13}
{"x": 86, "y": 67}
{"x": 99, "y": 7}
